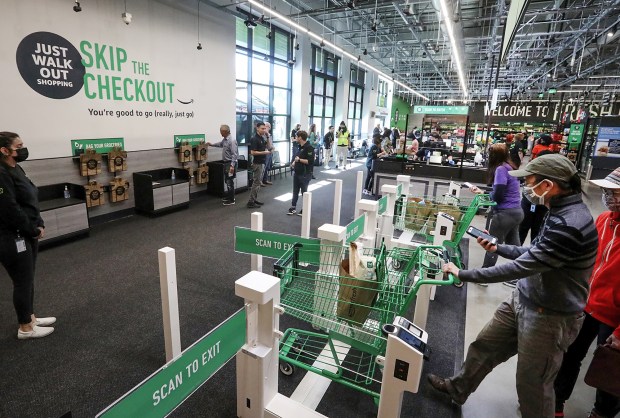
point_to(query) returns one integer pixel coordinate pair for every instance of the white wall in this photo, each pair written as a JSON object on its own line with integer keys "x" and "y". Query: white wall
{"x": 159, "y": 35}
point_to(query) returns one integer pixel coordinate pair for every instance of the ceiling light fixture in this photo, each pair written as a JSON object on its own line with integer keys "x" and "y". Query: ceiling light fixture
{"x": 455, "y": 51}
{"x": 289, "y": 22}
{"x": 77, "y": 8}
{"x": 611, "y": 32}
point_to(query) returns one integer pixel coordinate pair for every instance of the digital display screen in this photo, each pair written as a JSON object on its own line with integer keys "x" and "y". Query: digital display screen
{"x": 415, "y": 330}
{"x": 412, "y": 340}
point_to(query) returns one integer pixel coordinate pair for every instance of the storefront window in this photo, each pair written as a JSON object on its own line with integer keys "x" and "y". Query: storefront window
{"x": 263, "y": 82}
{"x": 356, "y": 92}
{"x": 324, "y": 75}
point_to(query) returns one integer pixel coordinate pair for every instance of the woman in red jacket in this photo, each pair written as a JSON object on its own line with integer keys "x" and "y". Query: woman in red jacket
{"x": 603, "y": 307}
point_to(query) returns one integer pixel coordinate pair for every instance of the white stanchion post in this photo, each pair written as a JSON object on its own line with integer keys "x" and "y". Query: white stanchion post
{"x": 358, "y": 193}
{"x": 257, "y": 361}
{"x": 370, "y": 208}
{"x": 337, "y": 201}
{"x": 387, "y": 220}
{"x": 405, "y": 181}
{"x": 169, "y": 302}
{"x": 256, "y": 224}
{"x": 306, "y": 215}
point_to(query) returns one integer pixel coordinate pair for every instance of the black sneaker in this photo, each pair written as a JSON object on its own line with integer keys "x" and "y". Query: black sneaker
{"x": 300, "y": 212}
{"x": 253, "y": 205}
{"x": 291, "y": 211}
{"x": 228, "y": 202}
{"x": 256, "y": 202}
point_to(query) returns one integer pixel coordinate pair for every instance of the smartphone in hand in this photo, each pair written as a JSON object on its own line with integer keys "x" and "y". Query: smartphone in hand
{"x": 475, "y": 232}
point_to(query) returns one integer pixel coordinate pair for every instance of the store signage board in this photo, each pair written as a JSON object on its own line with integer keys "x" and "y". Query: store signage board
{"x": 608, "y": 141}
{"x": 576, "y": 133}
{"x": 355, "y": 229}
{"x": 100, "y": 145}
{"x": 383, "y": 205}
{"x": 441, "y": 110}
{"x": 163, "y": 391}
{"x": 273, "y": 244}
{"x": 193, "y": 139}
{"x": 537, "y": 111}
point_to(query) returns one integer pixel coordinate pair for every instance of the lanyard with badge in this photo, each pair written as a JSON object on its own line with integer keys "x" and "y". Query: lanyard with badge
{"x": 20, "y": 244}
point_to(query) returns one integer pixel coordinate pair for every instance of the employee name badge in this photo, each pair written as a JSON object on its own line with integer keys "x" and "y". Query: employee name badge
{"x": 20, "y": 243}
{"x": 533, "y": 208}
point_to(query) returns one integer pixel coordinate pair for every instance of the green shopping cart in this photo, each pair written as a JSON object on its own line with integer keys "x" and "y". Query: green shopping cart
{"x": 343, "y": 346}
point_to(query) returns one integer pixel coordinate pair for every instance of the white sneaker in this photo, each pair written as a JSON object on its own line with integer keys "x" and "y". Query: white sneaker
{"x": 37, "y": 332}
{"x": 45, "y": 322}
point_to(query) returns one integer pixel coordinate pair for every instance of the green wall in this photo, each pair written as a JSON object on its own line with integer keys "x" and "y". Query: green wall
{"x": 403, "y": 110}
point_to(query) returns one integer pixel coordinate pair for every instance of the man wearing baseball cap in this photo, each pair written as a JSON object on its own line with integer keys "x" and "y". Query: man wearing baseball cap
{"x": 602, "y": 312}
{"x": 544, "y": 313}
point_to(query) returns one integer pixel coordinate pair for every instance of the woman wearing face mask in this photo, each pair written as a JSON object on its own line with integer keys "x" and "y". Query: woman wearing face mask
{"x": 602, "y": 311}
{"x": 21, "y": 227}
{"x": 507, "y": 214}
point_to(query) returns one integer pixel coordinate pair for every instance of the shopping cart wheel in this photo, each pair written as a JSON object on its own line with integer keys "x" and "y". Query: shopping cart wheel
{"x": 286, "y": 369}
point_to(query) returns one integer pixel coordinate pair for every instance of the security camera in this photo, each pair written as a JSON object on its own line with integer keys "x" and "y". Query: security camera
{"x": 199, "y": 47}
{"x": 77, "y": 8}
{"x": 126, "y": 17}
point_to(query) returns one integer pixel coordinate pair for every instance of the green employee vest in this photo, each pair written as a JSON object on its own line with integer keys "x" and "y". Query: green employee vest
{"x": 343, "y": 138}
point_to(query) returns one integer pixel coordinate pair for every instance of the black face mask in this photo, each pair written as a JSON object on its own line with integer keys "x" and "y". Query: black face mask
{"x": 22, "y": 154}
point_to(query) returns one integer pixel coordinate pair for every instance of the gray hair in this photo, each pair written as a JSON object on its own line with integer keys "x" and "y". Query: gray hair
{"x": 225, "y": 128}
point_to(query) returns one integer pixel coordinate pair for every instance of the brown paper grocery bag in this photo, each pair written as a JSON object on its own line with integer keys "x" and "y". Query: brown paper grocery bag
{"x": 356, "y": 292}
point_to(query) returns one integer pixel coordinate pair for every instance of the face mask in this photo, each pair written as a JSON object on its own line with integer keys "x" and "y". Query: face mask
{"x": 22, "y": 154}
{"x": 611, "y": 202}
{"x": 532, "y": 197}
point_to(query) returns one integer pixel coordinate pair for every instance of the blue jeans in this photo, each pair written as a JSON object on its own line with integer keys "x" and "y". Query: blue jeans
{"x": 504, "y": 224}
{"x": 268, "y": 165}
{"x": 540, "y": 340}
{"x": 229, "y": 179}
{"x": 300, "y": 183}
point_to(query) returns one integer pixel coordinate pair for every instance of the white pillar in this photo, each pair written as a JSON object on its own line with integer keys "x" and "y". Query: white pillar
{"x": 370, "y": 208}
{"x": 337, "y": 201}
{"x": 405, "y": 181}
{"x": 256, "y": 224}
{"x": 387, "y": 220}
{"x": 257, "y": 361}
{"x": 169, "y": 302}
{"x": 358, "y": 193}
{"x": 306, "y": 215}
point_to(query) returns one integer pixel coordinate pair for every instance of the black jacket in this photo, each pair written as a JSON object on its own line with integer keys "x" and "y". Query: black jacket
{"x": 19, "y": 203}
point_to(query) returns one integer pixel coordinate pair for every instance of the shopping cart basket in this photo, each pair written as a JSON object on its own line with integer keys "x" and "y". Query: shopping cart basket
{"x": 342, "y": 349}
{"x": 418, "y": 216}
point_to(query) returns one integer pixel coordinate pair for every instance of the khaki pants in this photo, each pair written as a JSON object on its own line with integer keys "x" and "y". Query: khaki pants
{"x": 257, "y": 179}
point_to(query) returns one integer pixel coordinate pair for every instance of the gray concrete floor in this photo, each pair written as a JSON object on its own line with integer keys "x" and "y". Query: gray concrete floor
{"x": 497, "y": 396}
